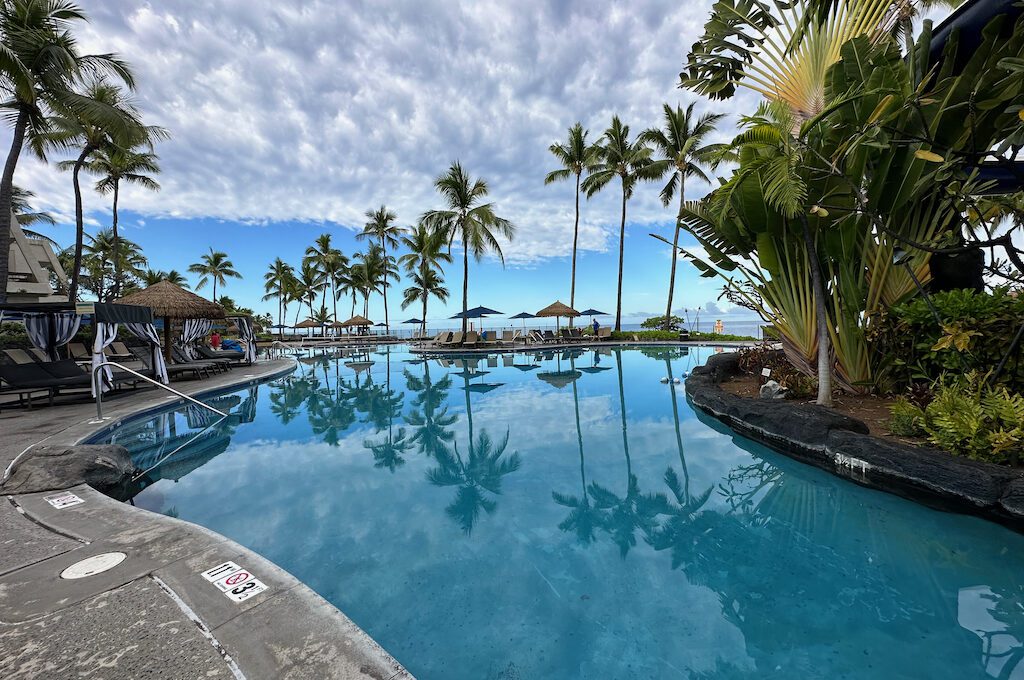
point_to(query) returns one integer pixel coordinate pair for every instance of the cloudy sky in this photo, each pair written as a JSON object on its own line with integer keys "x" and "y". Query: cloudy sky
{"x": 290, "y": 120}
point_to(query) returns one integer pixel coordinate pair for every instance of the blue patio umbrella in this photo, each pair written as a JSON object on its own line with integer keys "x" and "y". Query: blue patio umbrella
{"x": 413, "y": 320}
{"x": 524, "y": 316}
{"x": 475, "y": 313}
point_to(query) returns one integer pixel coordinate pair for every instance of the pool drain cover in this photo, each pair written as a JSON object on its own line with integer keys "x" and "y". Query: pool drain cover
{"x": 91, "y": 566}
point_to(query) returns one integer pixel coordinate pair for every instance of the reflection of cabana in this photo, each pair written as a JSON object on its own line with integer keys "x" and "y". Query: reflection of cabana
{"x": 51, "y": 325}
{"x": 171, "y": 301}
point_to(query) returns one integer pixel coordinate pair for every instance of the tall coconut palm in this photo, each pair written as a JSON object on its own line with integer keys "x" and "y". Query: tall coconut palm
{"x": 683, "y": 149}
{"x": 383, "y": 231}
{"x": 151, "y": 276}
{"x": 132, "y": 166}
{"x": 276, "y": 282}
{"x": 369, "y": 273}
{"x": 214, "y": 266}
{"x": 468, "y": 219}
{"x": 110, "y": 120}
{"x": 576, "y": 156}
{"x": 423, "y": 262}
{"x": 40, "y": 65}
{"x": 312, "y": 282}
{"x": 329, "y": 260}
{"x": 112, "y": 258}
{"x": 630, "y": 161}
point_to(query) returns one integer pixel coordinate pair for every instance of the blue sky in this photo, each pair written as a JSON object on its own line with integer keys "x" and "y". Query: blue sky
{"x": 287, "y": 123}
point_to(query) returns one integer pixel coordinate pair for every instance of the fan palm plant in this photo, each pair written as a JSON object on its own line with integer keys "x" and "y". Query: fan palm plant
{"x": 276, "y": 283}
{"x": 383, "y": 231}
{"x": 40, "y": 65}
{"x": 468, "y": 219}
{"x": 630, "y": 161}
{"x": 132, "y": 166}
{"x": 151, "y": 276}
{"x": 682, "y": 145}
{"x": 423, "y": 262}
{"x": 216, "y": 267}
{"x": 576, "y": 157}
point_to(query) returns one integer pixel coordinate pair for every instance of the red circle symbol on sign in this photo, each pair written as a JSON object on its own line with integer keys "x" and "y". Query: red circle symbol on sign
{"x": 236, "y": 578}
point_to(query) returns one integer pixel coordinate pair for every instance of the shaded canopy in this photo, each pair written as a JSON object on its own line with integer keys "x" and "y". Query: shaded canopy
{"x": 357, "y": 321}
{"x": 413, "y": 320}
{"x": 171, "y": 301}
{"x": 556, "y": 308}
{"x": 560, "y": 379}
{"x": 593, "y": 312}
{"x": 523, "y": 315}
{"x": 475, "y": 313}
{"x": 308, "y": 323}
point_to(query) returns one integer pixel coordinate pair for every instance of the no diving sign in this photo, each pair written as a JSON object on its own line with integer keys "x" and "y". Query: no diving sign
{"x": 63, "y": 500}
{"x": 236, "y": 583}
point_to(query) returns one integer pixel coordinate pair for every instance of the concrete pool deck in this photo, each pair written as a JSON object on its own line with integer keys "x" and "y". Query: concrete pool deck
{"x": 154, "y": 614}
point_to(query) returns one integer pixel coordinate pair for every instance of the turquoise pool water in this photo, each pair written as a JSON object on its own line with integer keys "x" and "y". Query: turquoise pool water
{"x": 570, "y": 516}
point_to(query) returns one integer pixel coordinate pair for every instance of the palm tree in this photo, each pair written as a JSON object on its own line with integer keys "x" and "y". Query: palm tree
{"x": 40, "y": 65}
{"x": 629, "y": 161}
{"x": 276, "y": 283}
{"x": 575, "y": 155}
{"x": 21, "y": 204}
{"x": 124, "y": 256}
{"x": 214, "y": 266}
{"x": 583, "y": 517}
{"x": 682, "y": 146}
{"x": 111, "y": 119}
{"x": 423, "y": 263}
{"x": 472, "y": 222}
{"x": 150, "y": 277}
{"x": 131, "y": 166}
{"x": 382, "y": 229}
{"x": 311, "y": 282}
{"x": 330, "y": 261}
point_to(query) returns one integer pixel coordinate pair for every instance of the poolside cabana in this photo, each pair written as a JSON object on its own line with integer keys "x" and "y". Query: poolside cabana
{"x": 172, "y": 302}
{"x": 358, "y": 321}
{"x": 557, "y": 309}
{"x": 308, "y": 323}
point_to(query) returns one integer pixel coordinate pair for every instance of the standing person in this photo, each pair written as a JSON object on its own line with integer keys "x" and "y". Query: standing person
{"x": 215, "y": 340}
{"x": 596, "y": 326}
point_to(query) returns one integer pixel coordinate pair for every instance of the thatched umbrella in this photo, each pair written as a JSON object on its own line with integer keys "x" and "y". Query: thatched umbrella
{"x": 557, "y": 309}
{"x": 357, "y": 321}
{"x": 171, "y": 301}
{"x": 308, "y": 323}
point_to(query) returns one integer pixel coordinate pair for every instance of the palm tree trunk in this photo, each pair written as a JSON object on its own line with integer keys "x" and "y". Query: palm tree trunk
{"x": 423, "y": 326}
{"x": 679, "y": 436}
{"x": 622, "y": 413}
{"x": 214, "y": 297}
{"x": 280, "y": 320}
{"x": 6, "y": 189}
{"x": 465, "y": 284}
{"x": 384, "y": 252}
{"x": 622, "y": 250}
{"x": 79, "y": 222}
{"x": 824, "y": 339}
{"x": 575, "y": 241}
{"x": 675, "y": 254}
{"x": 117, "y": 249}
{"x": 334, "y": 298}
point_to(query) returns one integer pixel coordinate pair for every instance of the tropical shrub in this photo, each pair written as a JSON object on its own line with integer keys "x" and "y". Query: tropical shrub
{"x": 13, "y": 336}
{"x": 754, "y": 360}
{"x": 968, "y": 417}
{"x": 973, "y": 333}
{"x": 656, "y": 322}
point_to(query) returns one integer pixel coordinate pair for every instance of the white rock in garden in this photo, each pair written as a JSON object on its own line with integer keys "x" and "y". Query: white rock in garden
{"x": 772, "y": 390}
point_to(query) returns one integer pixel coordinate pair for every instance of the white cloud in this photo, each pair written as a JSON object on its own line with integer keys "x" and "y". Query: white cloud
{"x": 320, "y": 112}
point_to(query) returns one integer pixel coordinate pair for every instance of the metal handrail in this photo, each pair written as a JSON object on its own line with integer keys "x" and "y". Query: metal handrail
{"x": 99, "y": 392}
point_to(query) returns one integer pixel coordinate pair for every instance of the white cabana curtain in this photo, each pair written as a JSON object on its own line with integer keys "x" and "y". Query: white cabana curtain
{"x": 147, "y": 332}
{"x": 192, "y": 330}
{"x": 60, "y": 327}
{"x": 248, "y": 335}
{"x": 106, "y": 333}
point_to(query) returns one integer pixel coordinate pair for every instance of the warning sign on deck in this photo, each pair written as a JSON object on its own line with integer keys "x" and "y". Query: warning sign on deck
{"x": 236, "y": 583}
{"x": 62, "y": 500}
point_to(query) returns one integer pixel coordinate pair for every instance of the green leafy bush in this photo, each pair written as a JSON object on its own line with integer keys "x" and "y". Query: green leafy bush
{"x": 754, "y": 360}
{"x": 674, "y": 335}
{"x": 968, "y": 417}
{"x": 973, "y": 334}
{"x": 13, "y": 336}
{"x": 658, "y": 322}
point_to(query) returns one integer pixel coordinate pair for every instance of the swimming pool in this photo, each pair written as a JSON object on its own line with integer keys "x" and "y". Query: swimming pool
{"x": 570, "y": 516}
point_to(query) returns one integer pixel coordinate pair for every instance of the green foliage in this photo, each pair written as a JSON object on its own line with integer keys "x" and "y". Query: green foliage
{"x": 968, "y": 418}
{"x": 973, "y": 334}
{"x": 13, "y": 336}
{"x": 907, "y": 420}
{"x": 657, "y": 322}
{"x": 754, "y": 360}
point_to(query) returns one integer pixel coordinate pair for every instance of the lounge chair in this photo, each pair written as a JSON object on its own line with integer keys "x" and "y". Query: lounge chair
{"x": 25, "y": 379}
{"x": 508, "y": 337}
{"x": 508, "y": 360}
{"x": 19, "y": 356}
{"x": 77, "y": 351}
{"x": 604, "y": 333}
{"x": 441, "y": 338}
{"x": 112, "y": 352}
{"x": 549, "y": 336}
{"x": 492, "y": 362}
{"x": 181, "y": 359}
{"x": 472, "y": 338}
{"x": 173, "y": 370}
{"x": 214, "y": 354}
{"x": 490, "y": 338}
{"x": 454, "y": 341}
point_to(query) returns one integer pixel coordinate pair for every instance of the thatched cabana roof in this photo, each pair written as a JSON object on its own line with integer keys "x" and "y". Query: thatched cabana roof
{"x": 556, "y": 308}
{"x": 357, "y": 321}
{"x": 308, "y": 323}
{"x": 171, "y": 301}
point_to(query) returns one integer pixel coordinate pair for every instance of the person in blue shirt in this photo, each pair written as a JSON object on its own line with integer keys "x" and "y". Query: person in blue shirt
{"x": 596, "y": 326}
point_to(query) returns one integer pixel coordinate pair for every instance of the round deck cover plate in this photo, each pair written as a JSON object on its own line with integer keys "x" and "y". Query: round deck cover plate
{"x": 91, "y": 566}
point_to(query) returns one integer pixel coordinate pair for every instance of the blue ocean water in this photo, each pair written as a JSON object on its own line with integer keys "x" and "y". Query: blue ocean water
{"x": 570, "y": 516}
